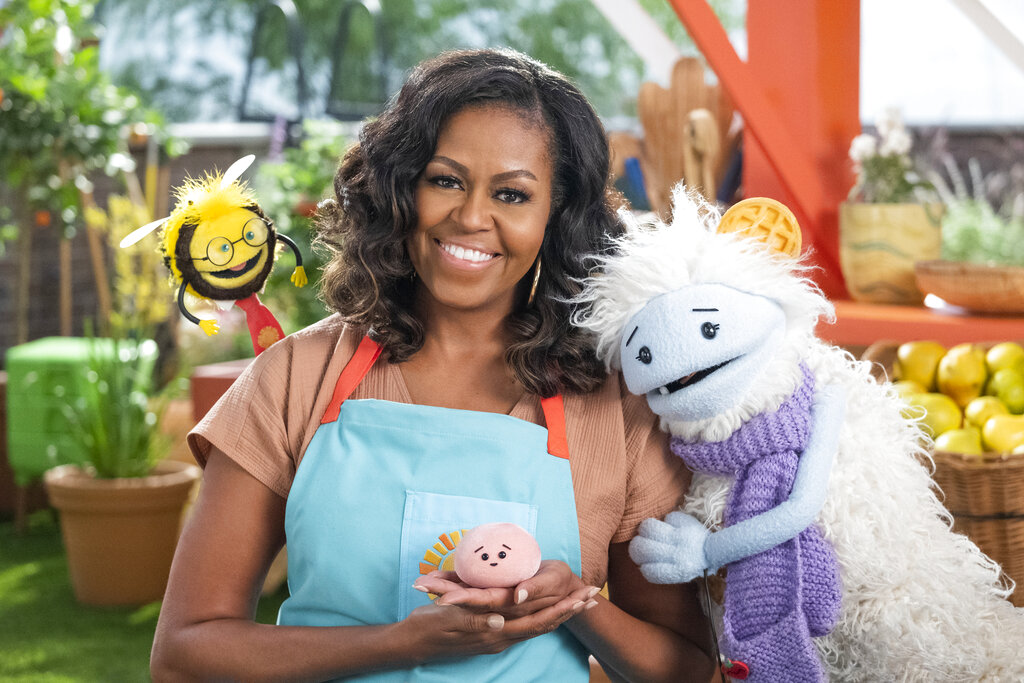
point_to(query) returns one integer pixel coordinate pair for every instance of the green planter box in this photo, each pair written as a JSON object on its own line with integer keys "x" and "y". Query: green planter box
{"x": 42, "y": 376}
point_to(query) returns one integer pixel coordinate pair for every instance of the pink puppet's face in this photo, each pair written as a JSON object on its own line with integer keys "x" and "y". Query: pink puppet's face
{"x": 496, "y": 556}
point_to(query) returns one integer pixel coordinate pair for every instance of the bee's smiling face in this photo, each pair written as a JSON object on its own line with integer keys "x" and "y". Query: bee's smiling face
{"x": 230, "y": 251}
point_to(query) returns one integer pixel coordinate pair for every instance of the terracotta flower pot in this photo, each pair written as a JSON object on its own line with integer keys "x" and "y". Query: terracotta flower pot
{"x": 120, "y": 534}
{"x": 879, "y": 245}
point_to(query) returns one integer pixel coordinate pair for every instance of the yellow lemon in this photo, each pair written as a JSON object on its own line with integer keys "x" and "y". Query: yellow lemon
{"x": 962, "y": 373}
{"x": 978, "y": 411}
{"x": 966, "y": 440}
{"x": 1005, "y": 355}
{"x": 917, "y": 361}
{"x": 906, "y": 387}
{"x": 1003, "y": 433}
{"x": 941, "y": 413}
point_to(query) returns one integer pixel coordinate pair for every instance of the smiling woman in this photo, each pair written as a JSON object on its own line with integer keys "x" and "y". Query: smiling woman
{"x": 483, "y": 203}
{"x": 449, "y": 391}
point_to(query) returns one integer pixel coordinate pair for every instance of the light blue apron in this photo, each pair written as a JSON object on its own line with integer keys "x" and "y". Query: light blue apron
{"x": 385, "y": 490}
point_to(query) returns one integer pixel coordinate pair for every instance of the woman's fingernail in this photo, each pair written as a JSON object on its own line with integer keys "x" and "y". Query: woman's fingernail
{"x": 495, "y": 621}
{"x": 590, "y": 604}
{"x": 420, "y": 588}
{"x": 594, "y": 590}
{"x": 521, "y": 596}
{"x": 577, "y": 606}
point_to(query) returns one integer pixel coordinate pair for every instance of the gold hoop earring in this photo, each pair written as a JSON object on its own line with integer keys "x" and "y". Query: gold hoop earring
{"x": 536, "y": 279}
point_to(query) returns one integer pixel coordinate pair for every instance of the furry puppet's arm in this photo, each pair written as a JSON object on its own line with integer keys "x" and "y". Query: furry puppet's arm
{"x": 681, "y": 548}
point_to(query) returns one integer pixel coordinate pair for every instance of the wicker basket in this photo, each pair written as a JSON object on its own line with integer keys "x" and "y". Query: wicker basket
{"x": 974, "y": 286}
{"x": 984, "y": 494}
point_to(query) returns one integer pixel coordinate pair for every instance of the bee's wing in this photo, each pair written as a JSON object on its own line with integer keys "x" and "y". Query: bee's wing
{"x": 236, "y": 169}
{"x": 138, "y": 233}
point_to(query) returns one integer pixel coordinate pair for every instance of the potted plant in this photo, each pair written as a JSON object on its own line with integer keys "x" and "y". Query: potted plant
{"x": 120, "y": 513}
{"x": 890, "y": 220}
{"x": 982, "y": 265}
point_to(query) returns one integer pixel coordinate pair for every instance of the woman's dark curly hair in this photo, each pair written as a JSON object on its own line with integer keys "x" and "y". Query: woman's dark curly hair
{"x": 369, "y": 279}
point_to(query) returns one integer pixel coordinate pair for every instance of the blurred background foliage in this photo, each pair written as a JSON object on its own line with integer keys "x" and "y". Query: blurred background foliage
{"x": 188, "y": 57}
{"x": 289, "y": 189}
{"x": 61, "y": 117}
{"x": 76, "y": 76}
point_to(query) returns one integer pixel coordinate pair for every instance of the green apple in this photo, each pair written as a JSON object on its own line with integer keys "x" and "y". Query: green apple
{"x": 1007, "y": 385}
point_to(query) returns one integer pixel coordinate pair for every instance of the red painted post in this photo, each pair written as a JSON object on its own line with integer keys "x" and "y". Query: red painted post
{"x": 799, "y": 97}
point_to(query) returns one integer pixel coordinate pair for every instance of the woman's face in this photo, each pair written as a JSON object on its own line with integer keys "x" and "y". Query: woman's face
{"x": 483, "y": 202}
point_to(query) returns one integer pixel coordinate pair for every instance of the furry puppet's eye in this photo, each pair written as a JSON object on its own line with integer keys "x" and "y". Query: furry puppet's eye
{"x": 644, "y": 356}
{"x": 709, "y": 330}
{"x": 485, "y": 557}
{"x": 502, "y": 554}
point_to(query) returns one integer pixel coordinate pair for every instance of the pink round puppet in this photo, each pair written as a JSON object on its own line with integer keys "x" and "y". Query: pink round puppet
{"x": 498, "y": 555}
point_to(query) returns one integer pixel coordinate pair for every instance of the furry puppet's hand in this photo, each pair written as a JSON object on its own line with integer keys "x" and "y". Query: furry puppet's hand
{"x": 671, "y": 551}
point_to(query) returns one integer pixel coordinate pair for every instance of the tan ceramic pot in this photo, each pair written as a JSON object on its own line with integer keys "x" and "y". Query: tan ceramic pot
{"x": 120, "y": 534}
{"x": 879, "y": 245}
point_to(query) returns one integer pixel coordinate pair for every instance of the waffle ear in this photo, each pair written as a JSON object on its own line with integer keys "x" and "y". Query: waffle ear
{"x": 765, "y": 220}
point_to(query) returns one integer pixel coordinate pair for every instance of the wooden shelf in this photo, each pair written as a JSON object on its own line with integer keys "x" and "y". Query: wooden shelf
{"x": 861, "y": 324}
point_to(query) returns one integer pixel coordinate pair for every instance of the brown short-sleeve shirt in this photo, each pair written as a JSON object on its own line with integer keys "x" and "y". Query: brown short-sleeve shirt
{"x": 622, "y": 470}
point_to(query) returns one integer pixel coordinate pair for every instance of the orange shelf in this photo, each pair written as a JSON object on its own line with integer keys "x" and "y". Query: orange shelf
{"x": 861, "y": 324}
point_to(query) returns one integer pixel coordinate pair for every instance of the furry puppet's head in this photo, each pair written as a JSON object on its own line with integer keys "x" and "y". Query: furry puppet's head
{"x": 709, "y": 326}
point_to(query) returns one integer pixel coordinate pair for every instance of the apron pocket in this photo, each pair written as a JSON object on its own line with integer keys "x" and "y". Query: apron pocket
{"x": 432, "y": 526}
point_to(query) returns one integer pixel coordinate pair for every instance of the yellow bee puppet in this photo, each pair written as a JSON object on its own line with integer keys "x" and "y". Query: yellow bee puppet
{"x": 219, "y": 245}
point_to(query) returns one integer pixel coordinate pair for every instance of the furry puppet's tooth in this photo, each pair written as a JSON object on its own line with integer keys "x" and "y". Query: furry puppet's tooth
{"x": 663, "y": 391}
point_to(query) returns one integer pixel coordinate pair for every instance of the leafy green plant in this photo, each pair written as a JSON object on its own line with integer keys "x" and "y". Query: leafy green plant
{"x": 60, "y": 116}
{"x": 983, "y": 224}
{"x": 288, "y": 190}
{"x": 112, "y": 415}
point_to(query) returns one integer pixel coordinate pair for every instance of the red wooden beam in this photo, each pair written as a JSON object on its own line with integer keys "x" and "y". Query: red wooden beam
{"x": 798, "y": 95}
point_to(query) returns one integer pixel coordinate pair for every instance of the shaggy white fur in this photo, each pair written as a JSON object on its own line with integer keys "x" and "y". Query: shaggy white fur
{"x": 920, "y": 603}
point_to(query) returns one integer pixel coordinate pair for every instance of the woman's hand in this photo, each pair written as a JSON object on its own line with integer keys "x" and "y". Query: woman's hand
{"x": 554, "y": 583}
{"x": 442, "y": 630}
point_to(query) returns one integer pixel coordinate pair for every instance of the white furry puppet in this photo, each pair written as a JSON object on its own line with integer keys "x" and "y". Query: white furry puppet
{"x": 808, "y": 482}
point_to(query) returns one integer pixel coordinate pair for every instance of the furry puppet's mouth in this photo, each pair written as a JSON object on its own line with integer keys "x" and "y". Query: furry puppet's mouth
{"x": 690, "y": 379}
{"x": 237, "y": 271}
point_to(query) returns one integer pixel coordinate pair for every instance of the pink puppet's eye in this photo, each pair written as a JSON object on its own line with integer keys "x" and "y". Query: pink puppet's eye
{"x": 485, "y": 557}
{"x": 503, "y": 554}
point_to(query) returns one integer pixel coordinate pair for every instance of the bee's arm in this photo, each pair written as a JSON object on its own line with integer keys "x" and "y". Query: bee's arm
{"x": 208, "y": 326}
{"x": 294, "y": 247}
{"x": 299, "y": 278}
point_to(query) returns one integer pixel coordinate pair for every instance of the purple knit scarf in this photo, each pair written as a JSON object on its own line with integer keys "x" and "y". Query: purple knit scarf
{"x": 775, "y": 601}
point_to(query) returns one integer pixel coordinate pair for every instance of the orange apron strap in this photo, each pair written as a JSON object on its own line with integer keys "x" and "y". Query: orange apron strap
{"x": 362, "y": 360}
{"x": 554, "y": 418}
